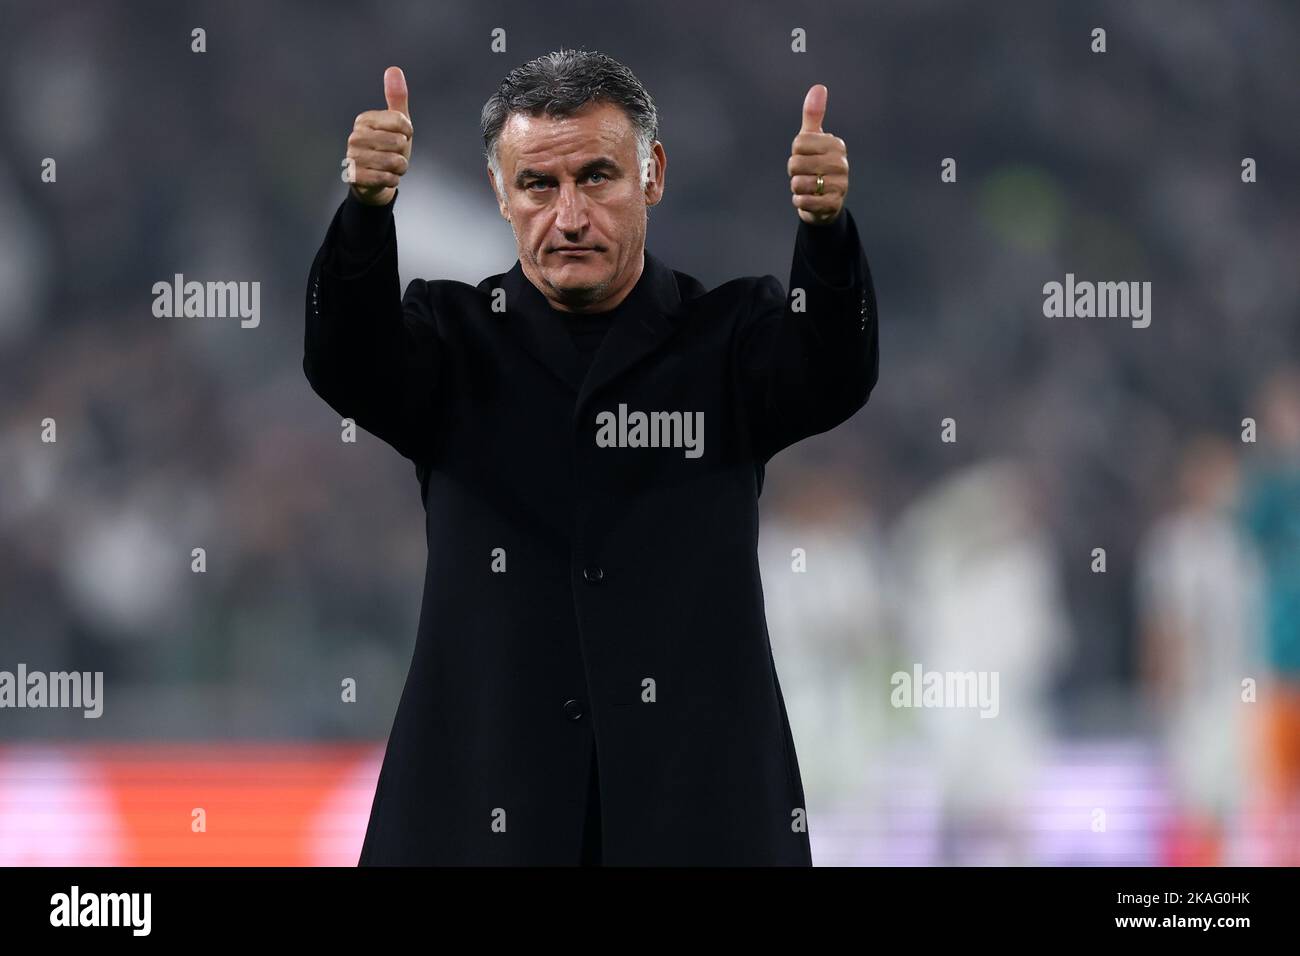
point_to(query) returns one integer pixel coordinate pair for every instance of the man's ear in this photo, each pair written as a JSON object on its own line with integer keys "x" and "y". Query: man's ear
{"x": 655, "y": 166}
{"x": 496, "y": 193}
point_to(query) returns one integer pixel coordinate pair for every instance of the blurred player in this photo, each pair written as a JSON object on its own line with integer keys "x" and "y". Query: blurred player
{"x": 1271, "y": 516}
{"x": 1195, "y": 589}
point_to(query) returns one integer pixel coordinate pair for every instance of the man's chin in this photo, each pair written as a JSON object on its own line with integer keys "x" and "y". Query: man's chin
{"x": 576, "y": 293}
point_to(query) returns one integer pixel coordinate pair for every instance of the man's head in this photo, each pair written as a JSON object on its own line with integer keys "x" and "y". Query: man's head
{"x": 573, "y": 155}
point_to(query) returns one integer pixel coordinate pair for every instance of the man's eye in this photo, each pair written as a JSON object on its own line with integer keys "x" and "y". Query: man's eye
{"x": 536, "y": 182}
{"x": 601, "y": 175}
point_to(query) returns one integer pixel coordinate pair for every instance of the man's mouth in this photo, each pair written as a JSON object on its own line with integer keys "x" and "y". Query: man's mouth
{"x": 573, "y": 250}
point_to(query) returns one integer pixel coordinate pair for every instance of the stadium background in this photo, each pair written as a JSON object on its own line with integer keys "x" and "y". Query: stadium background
{"x": 1120, "y": 690}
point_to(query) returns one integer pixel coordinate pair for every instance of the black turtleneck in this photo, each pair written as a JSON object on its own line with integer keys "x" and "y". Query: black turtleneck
{"x": 587, "y": 330}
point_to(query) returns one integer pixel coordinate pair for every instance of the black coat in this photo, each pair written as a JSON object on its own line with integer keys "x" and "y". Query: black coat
{"x": 629, "y": 615}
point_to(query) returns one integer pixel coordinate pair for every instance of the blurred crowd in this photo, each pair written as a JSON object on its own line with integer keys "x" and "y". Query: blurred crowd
{"x": 1161, "y": 694}
{"x": 967, "y": 579}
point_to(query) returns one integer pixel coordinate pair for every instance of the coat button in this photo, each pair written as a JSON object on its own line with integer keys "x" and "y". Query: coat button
{"x": 573, "y": 710}
{"x": 593, "y": 574}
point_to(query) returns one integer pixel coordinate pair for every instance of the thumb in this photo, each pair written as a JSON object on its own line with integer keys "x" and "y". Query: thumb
{"x": 395, "y": 90}
{"x": 814, "y": 109}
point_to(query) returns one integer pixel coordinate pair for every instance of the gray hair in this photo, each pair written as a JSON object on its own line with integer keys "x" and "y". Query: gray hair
{"x": 558, "y": 85}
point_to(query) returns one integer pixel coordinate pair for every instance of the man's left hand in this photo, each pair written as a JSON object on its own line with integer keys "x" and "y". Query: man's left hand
{"x": 812, "y": 153}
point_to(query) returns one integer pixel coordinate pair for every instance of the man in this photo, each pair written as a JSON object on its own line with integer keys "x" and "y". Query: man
{"x": 1197, "y": 588}
{"x": 1269, "y": 513}
{"x": 592, "y": 679}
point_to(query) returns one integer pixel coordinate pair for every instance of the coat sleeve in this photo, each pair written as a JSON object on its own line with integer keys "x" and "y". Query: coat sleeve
{"x": 370, "y": 352}
{"x": 808, "y": 363}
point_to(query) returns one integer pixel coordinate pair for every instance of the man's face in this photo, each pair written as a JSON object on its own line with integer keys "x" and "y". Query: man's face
{"x": 574, "y": 198}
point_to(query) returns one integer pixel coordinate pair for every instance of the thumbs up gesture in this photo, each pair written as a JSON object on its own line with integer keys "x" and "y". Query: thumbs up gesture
{"x": 379, "y": 149}
{"x": 819, "y": 165}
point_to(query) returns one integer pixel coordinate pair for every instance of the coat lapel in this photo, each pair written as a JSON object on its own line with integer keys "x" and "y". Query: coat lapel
{"x": 530, "y": 320}
{"x": 640, "y": 326}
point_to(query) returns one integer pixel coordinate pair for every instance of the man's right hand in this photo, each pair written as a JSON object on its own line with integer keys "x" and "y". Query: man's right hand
{"x": 379, "y": 148}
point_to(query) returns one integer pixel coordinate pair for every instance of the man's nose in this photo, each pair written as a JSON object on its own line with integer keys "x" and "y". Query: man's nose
{"x": 571, "y": 214}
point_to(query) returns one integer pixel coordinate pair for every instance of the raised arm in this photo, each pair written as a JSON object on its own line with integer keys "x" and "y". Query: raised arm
{"x": 371, "y": 353}
{"x": 809, "y": 358}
